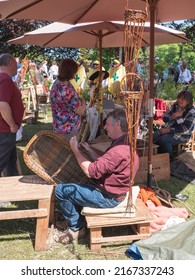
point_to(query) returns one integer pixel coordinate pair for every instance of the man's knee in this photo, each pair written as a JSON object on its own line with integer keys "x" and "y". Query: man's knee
{"x": 65, "y": 190}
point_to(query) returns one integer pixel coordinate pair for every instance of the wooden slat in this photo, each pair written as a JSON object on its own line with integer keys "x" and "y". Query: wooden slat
{"x": 142, "y": 214}
{"x": 160, "y": 168}
{"x": 119, "y": 238}
{"x": 22, "y": 214}
{"x": 16, "y": 189}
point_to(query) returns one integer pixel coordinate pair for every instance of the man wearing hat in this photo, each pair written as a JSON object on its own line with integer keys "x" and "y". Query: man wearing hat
{"x": 95, "y": 66}
{"x": 93, "y": 74}
{"x": 116, "y": 73}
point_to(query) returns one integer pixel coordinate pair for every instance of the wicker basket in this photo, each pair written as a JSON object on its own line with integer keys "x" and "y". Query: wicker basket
{"x": 49, "y": 156}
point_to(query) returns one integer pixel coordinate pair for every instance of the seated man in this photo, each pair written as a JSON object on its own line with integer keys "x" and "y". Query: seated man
{"x": 179, "y": 124}
{"x": 111, "y": 171}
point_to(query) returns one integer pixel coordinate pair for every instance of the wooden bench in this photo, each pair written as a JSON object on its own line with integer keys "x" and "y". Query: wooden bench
{"x": 29, "y": 188}
{"x": 140, "y": 224}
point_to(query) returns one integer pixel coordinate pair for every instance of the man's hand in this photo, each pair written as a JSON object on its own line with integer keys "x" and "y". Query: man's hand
{"x": 82, "y": 160}
{"x": 14, "y": 128}
{"x": 86, "y": 146}
{"x": 88, "y": 151}
{"x": 74, "y": 144}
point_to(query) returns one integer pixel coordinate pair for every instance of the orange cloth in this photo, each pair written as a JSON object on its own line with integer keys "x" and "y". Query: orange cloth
{"x": 146, "y": 194}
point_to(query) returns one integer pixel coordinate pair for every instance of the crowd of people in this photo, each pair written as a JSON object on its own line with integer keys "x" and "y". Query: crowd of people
{"x": 111, "y": 171}
{"x": 34, "y": 73}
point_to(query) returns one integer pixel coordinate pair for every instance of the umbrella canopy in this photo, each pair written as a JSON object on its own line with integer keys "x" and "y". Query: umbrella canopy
{"x": 88, "y": 35}
{"x": 75, "y": 11}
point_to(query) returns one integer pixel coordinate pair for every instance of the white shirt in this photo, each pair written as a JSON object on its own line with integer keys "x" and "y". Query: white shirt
{"x": 184, "y": 76}
{"x": 53, "y": 70}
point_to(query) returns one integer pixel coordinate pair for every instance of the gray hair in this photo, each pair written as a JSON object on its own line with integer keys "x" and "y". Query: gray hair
{"x": 5, "y": 59}
{"x": 119, "y": 114}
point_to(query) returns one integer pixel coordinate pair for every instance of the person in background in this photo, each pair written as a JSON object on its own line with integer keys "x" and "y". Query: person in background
{"x": 80, "y": 78}
{"x": 44, "y": 69}
{"x": 11, "y": 115}
{"x": 111, "y": 172}
{"x": 116, "y": 73}
{"x": 193, "y": 76}
{"x": 185, "y": 75}
{"x": 53, "y": 70}
{"x": 40, "y": 79}
{"x": 19, "y": 64}
{"x": 140, "y": 68}
{"x": 36, "y": 77}
{"x": 67, "y": 107}
{"x": 17, "y": 78}
{"x": 94, "y": 67}
{"x": 179, "y": 124}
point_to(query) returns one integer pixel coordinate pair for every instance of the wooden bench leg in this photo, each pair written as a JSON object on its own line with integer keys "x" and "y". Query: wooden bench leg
{"x": 52, "y": 209}
{"x": 143, "y": 228}
{"x": 95, "y": 233}
{"x": 42, "y": 227}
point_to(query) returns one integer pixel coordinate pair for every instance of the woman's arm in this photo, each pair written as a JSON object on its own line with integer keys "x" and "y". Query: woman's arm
{"x": 82, "y": 107}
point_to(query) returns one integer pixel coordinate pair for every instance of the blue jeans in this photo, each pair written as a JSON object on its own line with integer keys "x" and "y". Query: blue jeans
{"x": 165, "y": 142}
{"x": 8, "y": 155}
{"x": 73, "y": 197}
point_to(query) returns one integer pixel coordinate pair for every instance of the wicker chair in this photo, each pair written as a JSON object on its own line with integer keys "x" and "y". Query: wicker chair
{"x": 49, "y": 156}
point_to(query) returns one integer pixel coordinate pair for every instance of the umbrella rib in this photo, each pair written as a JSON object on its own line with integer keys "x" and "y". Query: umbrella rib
{"x": 86, "y": 11}
{"x": 24, "y": 8}
{"x": 93, "y": 33}
{"x": 181, "y": 37}
{"x": 113, "y": 24}
{"x": 146, "y": 42}
{"x": 55, "y": 37}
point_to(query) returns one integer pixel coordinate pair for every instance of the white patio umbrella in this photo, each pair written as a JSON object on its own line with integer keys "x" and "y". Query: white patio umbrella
{"x": 75, "y": 11}
{"x": 94, "y": 35}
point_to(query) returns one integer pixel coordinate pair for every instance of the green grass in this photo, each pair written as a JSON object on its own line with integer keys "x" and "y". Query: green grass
{"x": 17, "y": 236}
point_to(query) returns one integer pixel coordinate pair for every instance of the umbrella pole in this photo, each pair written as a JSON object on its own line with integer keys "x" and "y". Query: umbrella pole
{"x": 152, "y": 7}
{"x": 100, "y": 81}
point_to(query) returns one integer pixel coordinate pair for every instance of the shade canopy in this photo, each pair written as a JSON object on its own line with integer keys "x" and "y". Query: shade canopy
{"x": 88, "y": 35}
{"x": 75, "y": 11}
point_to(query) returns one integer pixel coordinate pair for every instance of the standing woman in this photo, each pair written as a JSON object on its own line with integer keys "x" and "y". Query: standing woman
{"x": 67, "y": 107}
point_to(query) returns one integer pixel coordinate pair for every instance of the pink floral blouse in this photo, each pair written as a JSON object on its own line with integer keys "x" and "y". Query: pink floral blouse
{"x": 64, "y": 99}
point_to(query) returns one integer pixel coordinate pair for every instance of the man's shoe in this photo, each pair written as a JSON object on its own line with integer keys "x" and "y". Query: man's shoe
{"x": 61, "y": 225}
{"x": 70, "y": 235}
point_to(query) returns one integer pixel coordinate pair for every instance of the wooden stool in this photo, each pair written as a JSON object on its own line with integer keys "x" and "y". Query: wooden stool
{"x": 29, "y": 188}
{"x": 140, "y": 225}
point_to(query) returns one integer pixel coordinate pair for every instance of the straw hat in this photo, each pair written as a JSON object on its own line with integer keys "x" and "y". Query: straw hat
{"x": 96, "y": 62}
{"x": 116, "y": 61}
